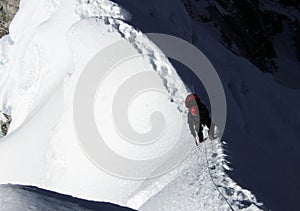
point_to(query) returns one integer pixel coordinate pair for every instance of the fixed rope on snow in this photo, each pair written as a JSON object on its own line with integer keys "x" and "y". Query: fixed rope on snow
{"x": 210, "y": 174}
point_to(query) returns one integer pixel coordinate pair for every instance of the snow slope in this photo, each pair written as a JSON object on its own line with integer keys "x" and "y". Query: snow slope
{"x": 55, "y": 50}
{"x": 44, "y": 56}
{"x": 262, "y": 120}
{"x": 262, "y": 127}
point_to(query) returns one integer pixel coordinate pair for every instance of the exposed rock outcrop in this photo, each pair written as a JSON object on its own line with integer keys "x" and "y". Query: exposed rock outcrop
{"x": 266, "y": 32}
{"x": 8, "y": 9}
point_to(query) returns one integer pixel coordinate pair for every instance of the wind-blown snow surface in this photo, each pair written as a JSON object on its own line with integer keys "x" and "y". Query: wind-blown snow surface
{"x": 17, "y": 197}
{"x": 44, "y": 55}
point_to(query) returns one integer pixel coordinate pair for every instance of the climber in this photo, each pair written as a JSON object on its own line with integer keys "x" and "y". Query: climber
{"x": 198, "y": 117}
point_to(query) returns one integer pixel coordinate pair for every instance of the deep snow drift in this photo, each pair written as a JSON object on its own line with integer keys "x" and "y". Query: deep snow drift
{"x": 42, "y": 60}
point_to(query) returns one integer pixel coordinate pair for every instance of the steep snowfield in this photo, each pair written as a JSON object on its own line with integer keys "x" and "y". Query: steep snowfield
{"x": 52, "y": 47}
{"x": 263, "y": 116}
{"x": 42, "y": 60}
{"x": 262, "y": 126}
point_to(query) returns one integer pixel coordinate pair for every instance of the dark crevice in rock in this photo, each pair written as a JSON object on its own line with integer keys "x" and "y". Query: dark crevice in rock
{"x": 8, "y": 9}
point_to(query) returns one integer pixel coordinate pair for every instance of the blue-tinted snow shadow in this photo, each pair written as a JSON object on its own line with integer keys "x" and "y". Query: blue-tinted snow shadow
{"x": 18, "y": 197}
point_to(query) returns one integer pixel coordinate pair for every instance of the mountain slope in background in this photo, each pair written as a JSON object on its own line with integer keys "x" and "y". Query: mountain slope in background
{"x": 265, "y": 32}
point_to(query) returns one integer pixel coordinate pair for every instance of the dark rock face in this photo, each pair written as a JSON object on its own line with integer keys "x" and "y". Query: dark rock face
{"x": 5, "y": 121}
{"x": 251, "y": 29}
{"x": 8, "y": 9}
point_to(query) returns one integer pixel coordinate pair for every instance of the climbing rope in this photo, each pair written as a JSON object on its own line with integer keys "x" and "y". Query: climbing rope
{"x": 210, "y": 174}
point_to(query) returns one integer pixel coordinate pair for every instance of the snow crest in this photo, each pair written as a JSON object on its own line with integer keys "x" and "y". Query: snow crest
{"x": 46, "y": 56}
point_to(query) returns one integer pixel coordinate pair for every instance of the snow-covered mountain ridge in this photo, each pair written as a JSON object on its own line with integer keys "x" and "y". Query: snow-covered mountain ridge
{"x": 61, "y": 50}
{"x": 263, "y": 155}
{"x": 80, "y": 29}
